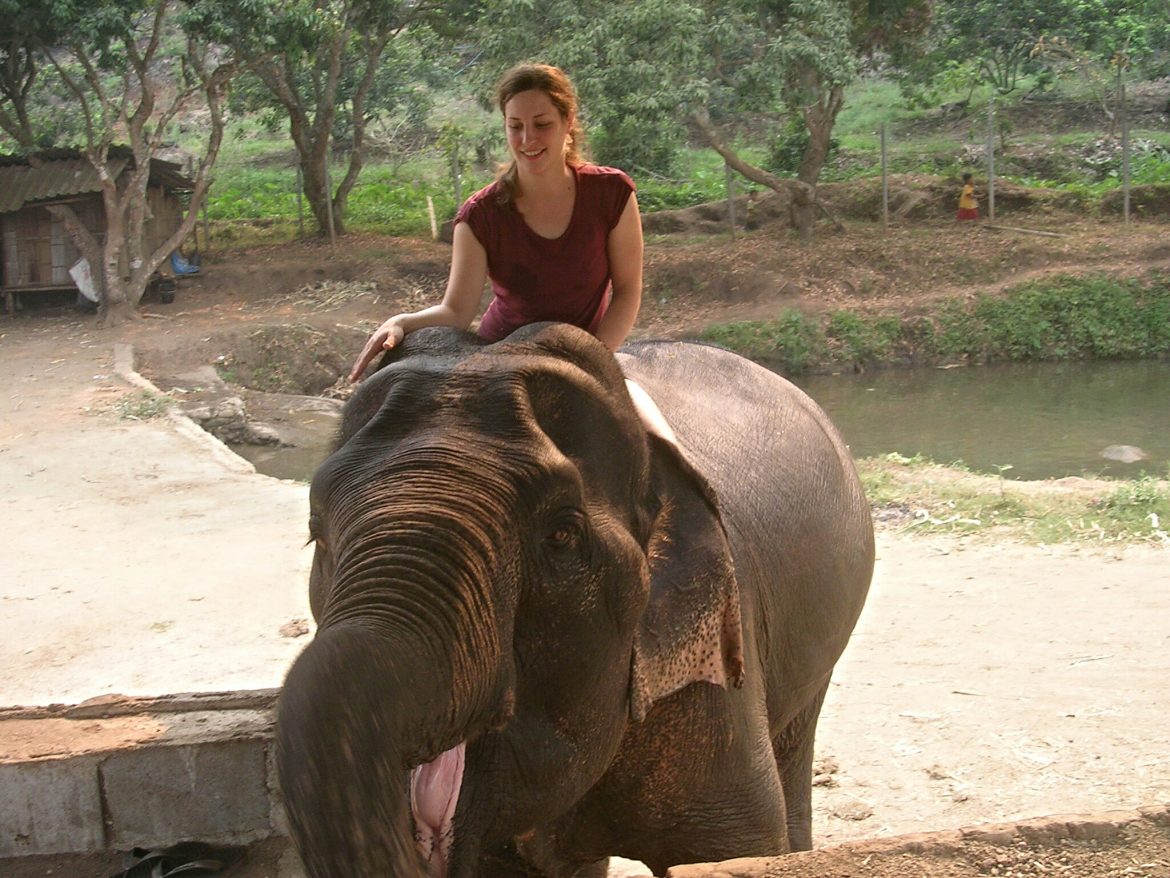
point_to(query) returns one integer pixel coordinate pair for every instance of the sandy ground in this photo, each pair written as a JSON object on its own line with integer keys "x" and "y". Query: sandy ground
{"x": 137, "y": 560}
{"x": 984, "y": 681}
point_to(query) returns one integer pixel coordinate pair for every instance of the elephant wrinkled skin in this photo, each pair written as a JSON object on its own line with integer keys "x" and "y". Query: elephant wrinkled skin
{"x": 546, "y": 637}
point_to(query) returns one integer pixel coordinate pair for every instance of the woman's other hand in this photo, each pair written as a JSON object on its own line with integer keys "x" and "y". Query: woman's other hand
{"x": 460, "y": 301}
{"x": 390, "y": 334}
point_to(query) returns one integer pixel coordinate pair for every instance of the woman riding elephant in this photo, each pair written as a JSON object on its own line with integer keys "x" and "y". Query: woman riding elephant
{"x": 560, "y": 239}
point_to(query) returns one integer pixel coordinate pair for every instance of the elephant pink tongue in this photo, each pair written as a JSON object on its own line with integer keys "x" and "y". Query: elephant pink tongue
{"x": 434, "y": 792}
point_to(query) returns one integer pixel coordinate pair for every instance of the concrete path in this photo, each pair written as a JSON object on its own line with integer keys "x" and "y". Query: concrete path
{"x": 139, "y": 557}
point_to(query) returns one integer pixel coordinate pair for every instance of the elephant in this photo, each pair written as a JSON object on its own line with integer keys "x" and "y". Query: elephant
{"x": 546, "y": 636}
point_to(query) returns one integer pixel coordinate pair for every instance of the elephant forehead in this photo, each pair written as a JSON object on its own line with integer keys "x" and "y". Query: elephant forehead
{"x": 501, "y": 393}
{"x": 523, "y": 363}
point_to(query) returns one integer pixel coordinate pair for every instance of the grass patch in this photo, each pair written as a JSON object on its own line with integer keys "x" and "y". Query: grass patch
{"x": 920, "y": 496}
{"x": 791, "y": 343}
{"x": 145, "y": 405}
{"x": 1060, "y": 318}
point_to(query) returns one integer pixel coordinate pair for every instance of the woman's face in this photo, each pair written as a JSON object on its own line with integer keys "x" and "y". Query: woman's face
{"x": 537, "y": 132}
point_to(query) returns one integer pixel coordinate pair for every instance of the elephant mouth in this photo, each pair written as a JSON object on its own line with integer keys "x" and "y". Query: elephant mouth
{"x": 434, "y": 792}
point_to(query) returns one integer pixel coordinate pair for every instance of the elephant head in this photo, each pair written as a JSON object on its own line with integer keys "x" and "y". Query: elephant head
{"x": 508, "y": 569}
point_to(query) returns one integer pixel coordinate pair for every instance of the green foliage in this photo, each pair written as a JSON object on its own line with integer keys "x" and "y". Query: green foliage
{"x": 397, "y": 205}
{"x": 253, "y": 193}
{"x": 791, "y": 343}
{"x": 1137, "y": 504}
{"x": 855, "y": 339}
{"x": 702, "y": 179}
{"x": 631, "y": 64}
{"x": 330, "y": 70}
{"x": 871, "y": 101}
{"x": 383, "y": 201}
{"x": 987, "y": 41}
{"x": 789, "y": 148}
{"x": 1060, "y": 318}
{"x": 643, "y": 69}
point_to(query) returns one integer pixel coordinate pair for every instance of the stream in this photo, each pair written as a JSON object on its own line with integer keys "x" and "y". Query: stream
{"x": 1028, "y": 421}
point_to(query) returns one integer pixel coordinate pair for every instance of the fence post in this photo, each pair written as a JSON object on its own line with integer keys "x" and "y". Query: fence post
{"x": 1124, "y": 147}
{"x": 991, "y": 158}
{"x": 729, "y": 177}
{"x": 300, "y": 201}
{"x": 329, "y": 204}
{"x": 206, "y": 227}
{"x": 885, "y": 184}
{"x": 457, "y": 175}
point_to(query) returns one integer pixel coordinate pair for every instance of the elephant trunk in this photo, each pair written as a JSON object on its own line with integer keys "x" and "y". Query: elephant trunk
{"x": 356, "y": 714}
{"x": 409, "y": 663}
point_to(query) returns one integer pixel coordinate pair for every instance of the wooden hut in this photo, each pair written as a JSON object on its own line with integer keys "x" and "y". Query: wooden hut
{"x": 36, "y": 251}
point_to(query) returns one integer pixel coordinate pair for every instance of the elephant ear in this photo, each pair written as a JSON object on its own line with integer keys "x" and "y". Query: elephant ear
{"x": 691, "y": 630}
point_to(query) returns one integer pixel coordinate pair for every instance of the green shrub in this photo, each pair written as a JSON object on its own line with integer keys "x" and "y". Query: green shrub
{"x": 145, "y": 405}
{"x": 1140, "y": 505}
{"x": 1060, "y": 318}
{"x": 856, "y": 339}
{"x": 791, "y": 342}
{"x": 1071, "y": 317}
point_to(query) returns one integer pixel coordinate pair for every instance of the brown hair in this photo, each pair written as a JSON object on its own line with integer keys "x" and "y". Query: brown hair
{"x": 555, "y": 83}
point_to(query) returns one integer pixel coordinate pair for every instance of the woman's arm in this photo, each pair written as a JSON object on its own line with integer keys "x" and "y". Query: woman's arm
{"x": 624, "y": 249}
{"x": 460, "y": 301}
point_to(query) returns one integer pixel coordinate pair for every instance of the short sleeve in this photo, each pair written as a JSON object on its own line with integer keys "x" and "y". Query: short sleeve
{"x": 618, "y": 189}
{"x": 480, "y": 213}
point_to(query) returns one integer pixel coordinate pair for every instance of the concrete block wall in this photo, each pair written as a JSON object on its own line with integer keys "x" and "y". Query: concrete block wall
{"x": 138, "y": 773}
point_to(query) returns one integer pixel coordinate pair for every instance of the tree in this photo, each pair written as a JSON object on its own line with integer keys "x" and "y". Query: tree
{"x": 27, "y": 27}
{"x": 129, "y": 73}
{"x": 623, "y": 58}
{"x": 709, "y": 63}
{"x": 999, "y": 43}
{"x": 324, "y": 64}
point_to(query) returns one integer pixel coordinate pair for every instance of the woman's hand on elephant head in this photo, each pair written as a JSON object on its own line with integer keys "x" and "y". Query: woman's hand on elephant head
{"x": 389, "y": 335}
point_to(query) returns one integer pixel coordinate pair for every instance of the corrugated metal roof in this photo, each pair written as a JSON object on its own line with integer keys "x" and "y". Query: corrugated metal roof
{"x": 22, "y": 184}
{"x": 63, "y": 174}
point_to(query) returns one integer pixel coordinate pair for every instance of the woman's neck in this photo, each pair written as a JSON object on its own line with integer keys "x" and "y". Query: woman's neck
{"x": 541, "y": 186}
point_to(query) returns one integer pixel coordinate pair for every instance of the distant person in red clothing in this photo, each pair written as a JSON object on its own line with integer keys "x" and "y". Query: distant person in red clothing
{"x": 559, "y": 238}
{"x": 968, "y": 204}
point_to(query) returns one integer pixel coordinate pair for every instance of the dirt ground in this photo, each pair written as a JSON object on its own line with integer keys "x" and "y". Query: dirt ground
{"x": 985, "y": 683}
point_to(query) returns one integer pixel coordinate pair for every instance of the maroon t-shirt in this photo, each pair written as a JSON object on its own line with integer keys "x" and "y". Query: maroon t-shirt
{"x": 565, "y": 279}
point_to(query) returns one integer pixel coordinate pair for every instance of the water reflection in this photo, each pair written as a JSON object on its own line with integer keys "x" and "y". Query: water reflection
{"x": 1045, "y": 420}
{"x": 310, "y": 436}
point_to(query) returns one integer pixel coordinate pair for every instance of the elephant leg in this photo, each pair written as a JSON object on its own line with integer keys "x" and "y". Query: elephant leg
{"x": 535, "y": 855}
{"x": 504, "y": 861}
{"x": 794, "y": 759}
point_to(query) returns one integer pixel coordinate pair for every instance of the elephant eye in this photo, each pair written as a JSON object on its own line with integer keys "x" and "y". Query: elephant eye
{"x": 565, "y": 532}
{"x": 561, "y": 537}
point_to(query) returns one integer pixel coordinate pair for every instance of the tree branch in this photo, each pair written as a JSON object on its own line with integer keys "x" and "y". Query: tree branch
{"x": 800, "y": 191}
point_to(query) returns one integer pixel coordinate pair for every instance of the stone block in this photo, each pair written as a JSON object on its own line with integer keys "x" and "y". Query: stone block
{"x": 50, "y": 807}
{"x": 213, "y": 791}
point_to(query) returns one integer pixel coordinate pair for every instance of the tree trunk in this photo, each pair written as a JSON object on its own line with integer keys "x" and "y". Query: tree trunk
{"x": 357, "y": 154}
{"x": 803, "y": 195}
{"x": 312, "y": 134}
{"x": 317, "y": 191}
